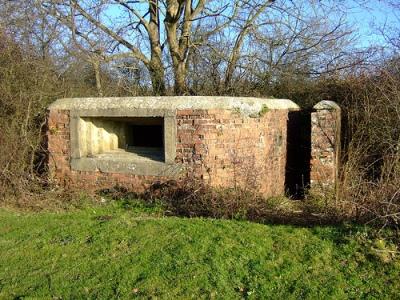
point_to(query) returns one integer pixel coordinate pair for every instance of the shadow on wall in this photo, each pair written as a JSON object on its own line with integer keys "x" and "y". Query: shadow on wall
{"x": 297, "y": 177}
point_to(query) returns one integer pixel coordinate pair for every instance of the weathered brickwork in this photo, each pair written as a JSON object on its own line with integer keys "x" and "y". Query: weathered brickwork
{"x": 325, "y": 144}
{"x": 226, "y": 149}
{"x": 221, "y": 147}
{"x": 59, "y": 144}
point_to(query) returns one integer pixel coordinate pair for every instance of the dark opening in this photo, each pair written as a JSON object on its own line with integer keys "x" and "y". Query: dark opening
{"x": 297, "y": 178}
{"x": 145, "y": 137}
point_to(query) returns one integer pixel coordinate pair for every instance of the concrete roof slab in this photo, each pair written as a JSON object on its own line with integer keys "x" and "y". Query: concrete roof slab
{"x": 245, "y": 105}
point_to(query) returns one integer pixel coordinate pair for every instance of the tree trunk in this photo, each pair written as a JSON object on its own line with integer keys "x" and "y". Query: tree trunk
{"x": 179, "y": 43}
{"x": 235, "y": 56}
{"x": 156, "y": 70}
{"x": 99, "y": 87}
{"x": 180, "y": 87}
{"x": 156, "y": 66}
{"x": 234, "y": 59}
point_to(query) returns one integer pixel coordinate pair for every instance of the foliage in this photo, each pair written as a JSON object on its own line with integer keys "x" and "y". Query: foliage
{"x": 371, "y": 172}
{"x": 27, "y": 86}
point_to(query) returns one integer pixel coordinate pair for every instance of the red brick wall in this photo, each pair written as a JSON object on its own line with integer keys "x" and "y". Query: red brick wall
{"x": 226, "y": 149}
{"x": 59, "y": 145}
{"x": 220, "y": 147}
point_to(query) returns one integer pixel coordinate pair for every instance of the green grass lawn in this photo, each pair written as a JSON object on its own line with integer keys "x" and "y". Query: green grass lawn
{"x": 109, "y": 252}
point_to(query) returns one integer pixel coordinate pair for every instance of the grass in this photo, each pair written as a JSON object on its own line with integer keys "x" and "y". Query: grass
{"x": 129, "y": 250}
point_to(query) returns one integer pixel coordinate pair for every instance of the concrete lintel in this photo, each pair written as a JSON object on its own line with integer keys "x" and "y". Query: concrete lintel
{"x": 121, "y": 112}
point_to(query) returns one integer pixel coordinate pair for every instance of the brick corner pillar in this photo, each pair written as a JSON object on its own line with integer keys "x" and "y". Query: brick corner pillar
{"x": 58, "y": 144}
{"x": 325, "y": 145}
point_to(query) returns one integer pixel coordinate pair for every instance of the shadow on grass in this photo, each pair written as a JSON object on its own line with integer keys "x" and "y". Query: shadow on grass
{"x": 190, "y": 202}
{"x": 328, "y": 226}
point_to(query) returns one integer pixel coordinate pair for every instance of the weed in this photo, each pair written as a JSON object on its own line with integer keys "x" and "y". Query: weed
{"x": 263, "y": 111}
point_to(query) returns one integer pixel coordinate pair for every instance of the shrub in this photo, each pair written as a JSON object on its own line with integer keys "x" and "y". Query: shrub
{"x": 370, "y": 182}
{"x": 27, "y": 85}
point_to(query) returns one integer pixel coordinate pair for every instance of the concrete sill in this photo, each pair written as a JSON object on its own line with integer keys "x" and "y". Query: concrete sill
{"x": 119, "y": 161}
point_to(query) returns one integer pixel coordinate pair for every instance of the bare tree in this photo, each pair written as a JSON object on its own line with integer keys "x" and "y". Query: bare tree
{"x": 270, "y": 39}
{"x": 142, "y": 29}
{"x": 82, "y": 44}
{"x": 249, "y": 22}
{"x": 239, "y": 39}
{"x": 390, "y": 30}
{"x": 29, "y": 28}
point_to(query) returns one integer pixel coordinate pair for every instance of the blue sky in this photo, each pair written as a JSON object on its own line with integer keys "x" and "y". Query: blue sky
{"x": 363, "y": 18}
{"x": 376, "y": 13}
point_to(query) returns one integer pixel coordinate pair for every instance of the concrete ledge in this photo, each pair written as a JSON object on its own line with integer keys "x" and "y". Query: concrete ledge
{"x": 125, "y": 165}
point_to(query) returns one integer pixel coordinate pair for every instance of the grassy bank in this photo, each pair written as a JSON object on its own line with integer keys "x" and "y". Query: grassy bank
{"x": 111, "y": 252}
